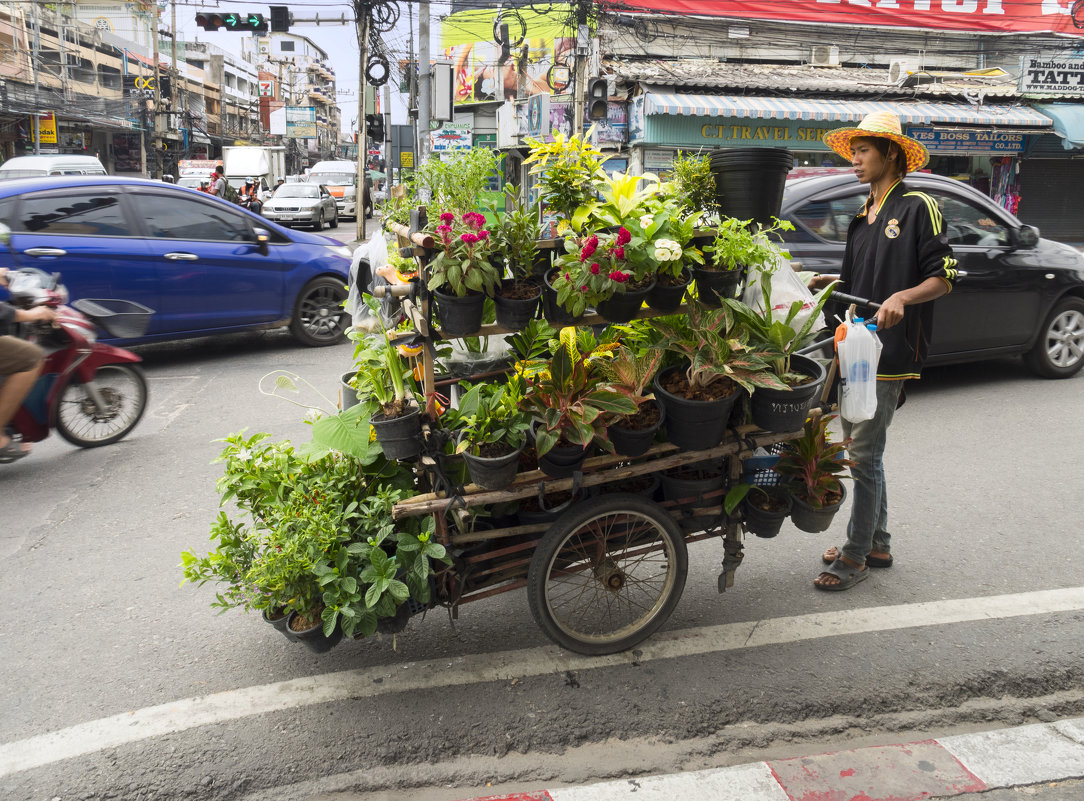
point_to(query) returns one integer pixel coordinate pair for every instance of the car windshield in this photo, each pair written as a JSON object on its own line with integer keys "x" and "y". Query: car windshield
{"x": 333, "y": 178}
{"x": 17, "y": 173}
{"x": 298, "y": 190}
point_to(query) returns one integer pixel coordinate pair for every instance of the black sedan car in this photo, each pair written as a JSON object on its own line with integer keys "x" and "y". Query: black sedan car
{"x": 1021, "y": 294}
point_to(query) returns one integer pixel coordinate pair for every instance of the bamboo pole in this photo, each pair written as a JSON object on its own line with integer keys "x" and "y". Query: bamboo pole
{"x": 421, "y": 239}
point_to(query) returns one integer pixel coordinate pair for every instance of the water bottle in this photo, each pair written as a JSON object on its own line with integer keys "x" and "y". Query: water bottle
{"x": 859, "y": 353}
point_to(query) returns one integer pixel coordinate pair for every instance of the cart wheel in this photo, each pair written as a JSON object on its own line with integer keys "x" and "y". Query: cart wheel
{"x": 607, "y": 574}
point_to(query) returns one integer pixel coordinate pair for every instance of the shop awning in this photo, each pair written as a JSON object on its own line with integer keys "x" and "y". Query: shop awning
{"x": 808, "y": 108}
{"x": 1068, "y": 122}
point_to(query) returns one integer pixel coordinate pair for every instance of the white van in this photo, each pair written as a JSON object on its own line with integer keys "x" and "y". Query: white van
{"x": 37, "y": 166}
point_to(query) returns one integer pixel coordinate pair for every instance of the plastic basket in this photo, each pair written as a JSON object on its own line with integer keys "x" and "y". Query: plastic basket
{"x": 123, "y": 319}
{"x": 757, "y": 470}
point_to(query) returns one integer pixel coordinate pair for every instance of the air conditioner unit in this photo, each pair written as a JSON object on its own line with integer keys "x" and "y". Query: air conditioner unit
{"x": 900, "y": 68}
{"x": 265, "y": 49}
{"x": 825, "y": 56}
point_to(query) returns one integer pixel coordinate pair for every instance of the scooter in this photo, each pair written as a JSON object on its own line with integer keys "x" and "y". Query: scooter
{"x": 91, "y": 393}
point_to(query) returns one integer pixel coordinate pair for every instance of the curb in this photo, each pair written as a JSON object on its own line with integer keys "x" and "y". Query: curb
{"x": 945, "y": 766}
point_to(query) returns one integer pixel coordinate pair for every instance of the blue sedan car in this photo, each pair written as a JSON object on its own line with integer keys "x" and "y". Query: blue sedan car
{"x": 204, "y": 265}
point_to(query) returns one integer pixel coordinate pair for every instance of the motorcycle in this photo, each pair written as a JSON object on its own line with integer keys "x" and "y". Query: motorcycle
{"x": 93, "y": 394}
{"x": 253, "y": 204}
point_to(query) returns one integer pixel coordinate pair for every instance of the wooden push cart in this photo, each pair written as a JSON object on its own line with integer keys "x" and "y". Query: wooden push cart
{"x": 608, "y": 568}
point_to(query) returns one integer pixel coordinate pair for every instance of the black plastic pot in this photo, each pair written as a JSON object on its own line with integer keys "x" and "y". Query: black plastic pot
{"x": 782, "y": 410}
{"x": 809, "y": 519}
{"x": 691, "y": 491}
{"x": 543, "y": 263}
{"x": 493, "y": 473}
{"x": 399, "y": 437}
{"x": 314, "y": 638}
{"x": 562, "y": 461}
{"x": 348, "y": 396}
{"x": 513, "y": 313}
{"x": 694, "y": 425}
{"x": 749, "y": 181}
{"x": 459, "y": 316}
{"x": 667, "y": 298}
{"x": 763, "y": 522}
{"x": 623, "y": 306}
{"x": 714, "y": 284}
{"x": 279, "y": 624}
{"x": 635, "y": 441}
{"x": 555, "y": 315}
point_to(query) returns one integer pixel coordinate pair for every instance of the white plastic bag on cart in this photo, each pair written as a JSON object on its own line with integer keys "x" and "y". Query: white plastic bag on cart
{"x": 785, "y": 288}
{"x": 859, "y": 355}
{"x": 367, "y": 259}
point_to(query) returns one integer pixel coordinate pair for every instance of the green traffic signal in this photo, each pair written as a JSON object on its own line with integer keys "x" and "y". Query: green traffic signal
{"x": 232, "y": 21}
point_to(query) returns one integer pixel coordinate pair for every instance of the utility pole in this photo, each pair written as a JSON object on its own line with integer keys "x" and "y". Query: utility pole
{"x": 363, "y": 13}
{"x": 425, "y": 104}
{"x": 157, "y": 141}
{"x": 412, "y": 86}
{"x": 579, "y": 84}
{"x": 35, "y": 55}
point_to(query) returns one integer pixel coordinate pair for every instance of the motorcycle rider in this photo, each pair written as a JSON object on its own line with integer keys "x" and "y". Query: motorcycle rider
{"x": 250, "y": 196}
{"x": 20, "y": 365}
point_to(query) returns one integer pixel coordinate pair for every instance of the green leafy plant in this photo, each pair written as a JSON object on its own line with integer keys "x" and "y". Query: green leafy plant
{"x": 737, "y": 244}
{"x": 515, "y": 235}
{"x": 490, "y": 415}
{"x": 715, "y": 346}
{"x": 569, "y": 399}
{"x": 464, "y": 261}
{"x": 813, "y": 465}
{"x": 772, "y": 334}
{"x": 568, "y": 170}
{"x": 455, "y": 181}
{"x": 628, "y": 373}
{"x": 674, "y": 247}
{"x": 382, "y": 375}
{"x": 693, "y": 184}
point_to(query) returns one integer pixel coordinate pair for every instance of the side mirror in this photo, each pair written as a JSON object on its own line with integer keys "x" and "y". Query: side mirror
{"x": 1027, "y": 236}
{"x": 263, "y": 236}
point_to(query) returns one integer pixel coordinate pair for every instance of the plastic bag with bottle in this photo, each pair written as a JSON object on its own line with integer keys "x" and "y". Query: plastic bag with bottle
{"x": 859, "y": 351}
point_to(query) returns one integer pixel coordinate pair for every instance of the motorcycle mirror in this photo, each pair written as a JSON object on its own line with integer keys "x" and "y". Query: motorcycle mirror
{"x": 5, "y": 234}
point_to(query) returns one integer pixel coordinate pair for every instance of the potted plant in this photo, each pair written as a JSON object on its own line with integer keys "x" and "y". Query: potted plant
{"x": 629, "y": 373}
{"x": 515, "y": 249}
{"x": 736, "y": 246}
{"x": 718, "y": 365}
{"x": 568, "y": 170}
{"x": 692, "y": 184}
{"x": 463, "y": 274}
{"x": 569, "y": 401}
{"x": 782, "y": 405}
{"x": 676, "y": 253}
{"x": 492, "y": 430}
{"x": 811, "y": 467}
{"x": 386, "y": 381}
{"x": 763, "y": 508}
{"x": 598, "y": 270}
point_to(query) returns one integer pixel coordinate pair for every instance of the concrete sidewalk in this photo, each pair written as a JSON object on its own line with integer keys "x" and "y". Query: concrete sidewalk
{"x": 929, "y": 769}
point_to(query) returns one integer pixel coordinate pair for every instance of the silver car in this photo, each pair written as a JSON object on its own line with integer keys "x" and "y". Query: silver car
{"x": 302, "y": 204}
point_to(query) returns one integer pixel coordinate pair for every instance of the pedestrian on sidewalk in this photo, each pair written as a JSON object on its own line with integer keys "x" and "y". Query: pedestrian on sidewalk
{"x": 897, "y": 255}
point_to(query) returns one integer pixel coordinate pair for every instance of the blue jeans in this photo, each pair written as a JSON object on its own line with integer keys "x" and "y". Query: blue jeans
{"x": 868, "y": 528}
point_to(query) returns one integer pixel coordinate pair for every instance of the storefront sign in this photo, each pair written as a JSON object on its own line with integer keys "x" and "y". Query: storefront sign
{"x": 301, "y": 122}
{"x": 47, "y": 128}
{"x": 1062, "y": 76}
{"x": 452, "y": 136}
{"x": 973, "y": 142}
{"x": 997, "y": 16}
{"x": 675, "y": 130}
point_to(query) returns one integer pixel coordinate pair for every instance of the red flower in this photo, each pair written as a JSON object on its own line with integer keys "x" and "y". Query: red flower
{"x": 447, "y": 218}
{"x": 470, "y": 239}
{"x": 619, "y": 253}
{"x": 619, "y": 276}
{"x": 594, "y": 268}
{"x": 589, "y": 249}
{"x": 483, "y": 235}
{"x": 623, "y": 236}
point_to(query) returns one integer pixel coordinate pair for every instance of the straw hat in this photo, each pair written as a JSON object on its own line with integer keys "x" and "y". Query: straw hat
{"x": 885, "y": 125}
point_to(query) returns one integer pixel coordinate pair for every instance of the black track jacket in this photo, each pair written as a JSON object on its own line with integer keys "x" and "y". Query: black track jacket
{"x": 906, "y": 246}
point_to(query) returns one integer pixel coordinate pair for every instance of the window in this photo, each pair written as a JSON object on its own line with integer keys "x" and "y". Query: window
{"x": 286, "y": 47}
{"x": 169, "y": 217}
{"x": 828, "y": 219}
{"x": 969, "y": 224}
{"x": 81, "y": 214}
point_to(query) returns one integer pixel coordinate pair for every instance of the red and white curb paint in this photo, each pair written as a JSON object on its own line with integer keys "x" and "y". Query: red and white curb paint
{"x": 968, "y": 763}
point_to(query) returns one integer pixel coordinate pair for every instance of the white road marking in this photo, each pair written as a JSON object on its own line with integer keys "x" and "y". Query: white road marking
{"x": 739, "y": 783}
{"x": 1024, "y": 755}
{"x": 189, "y": 713}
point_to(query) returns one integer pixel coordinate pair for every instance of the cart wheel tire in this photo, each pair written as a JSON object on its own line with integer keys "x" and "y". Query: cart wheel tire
{"x": 600, "y": 600}
{"x": 1059, "y": 350}
{"x": 122, "y": 388}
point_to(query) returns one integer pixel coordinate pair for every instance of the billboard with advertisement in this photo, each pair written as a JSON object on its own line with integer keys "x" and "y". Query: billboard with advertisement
{"x": 47, "y": 128}
{"x": 301, "y": 122}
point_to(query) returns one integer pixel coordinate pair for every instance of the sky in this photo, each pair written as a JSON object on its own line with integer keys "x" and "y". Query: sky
{"x": 339, "y": 41}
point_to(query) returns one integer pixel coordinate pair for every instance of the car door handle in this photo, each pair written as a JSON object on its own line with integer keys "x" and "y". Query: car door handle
{"x": 45, "y": 252}
{"x": 182, "y": 257}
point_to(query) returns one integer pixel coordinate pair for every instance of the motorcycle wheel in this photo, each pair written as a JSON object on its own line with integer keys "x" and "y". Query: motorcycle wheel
{"x": 124, "y": 392}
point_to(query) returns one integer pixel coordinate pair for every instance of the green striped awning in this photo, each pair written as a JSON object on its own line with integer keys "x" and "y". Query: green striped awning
{"x": 808, "y": 108}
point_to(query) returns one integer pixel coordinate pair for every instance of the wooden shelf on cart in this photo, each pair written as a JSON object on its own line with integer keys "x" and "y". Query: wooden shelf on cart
{"x": 597, "y": 470}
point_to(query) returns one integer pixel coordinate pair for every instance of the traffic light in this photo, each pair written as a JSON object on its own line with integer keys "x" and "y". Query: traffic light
{"x": 598, "y": 96}
{"x": 374, "y": 127}
{"x": 281, "y": 19}
{"x": 232, "y": 21}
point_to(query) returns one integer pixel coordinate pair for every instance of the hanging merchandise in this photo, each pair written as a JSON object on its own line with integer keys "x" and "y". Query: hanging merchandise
{"x": 859, "y": 353}
{"x": 1004, "y": 188}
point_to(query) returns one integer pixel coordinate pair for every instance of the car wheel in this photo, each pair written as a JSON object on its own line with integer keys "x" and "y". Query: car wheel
{"x": 1059, "y": 350}
{"x": 319, "y": 224}
{"x": 334, "y": 220}
{"x": 319, "y": 317}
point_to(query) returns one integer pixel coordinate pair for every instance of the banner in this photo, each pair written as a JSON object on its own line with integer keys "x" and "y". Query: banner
{"x": 1048, "y": 76}
{"x": 982, "y": 16}
{"x": 47, "y": 128}
{"x": 301, "y": 122}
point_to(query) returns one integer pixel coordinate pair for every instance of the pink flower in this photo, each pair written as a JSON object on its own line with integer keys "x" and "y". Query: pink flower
{"x": 474, "y": 219}
{"x": 623, "y": 236}
{"x": 619, "y": 253}
{"x": 445, "y": 234}
{"x": 447, "y": 218}
{"x": 483, "y": 235}
{"x": 470, "y": 239}
{"x": 594, "y": 268}
{"x": 619, "y": 276}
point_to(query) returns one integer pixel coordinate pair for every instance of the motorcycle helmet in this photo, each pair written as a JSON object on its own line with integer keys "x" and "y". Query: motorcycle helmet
{"x": 249, "y": 181}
